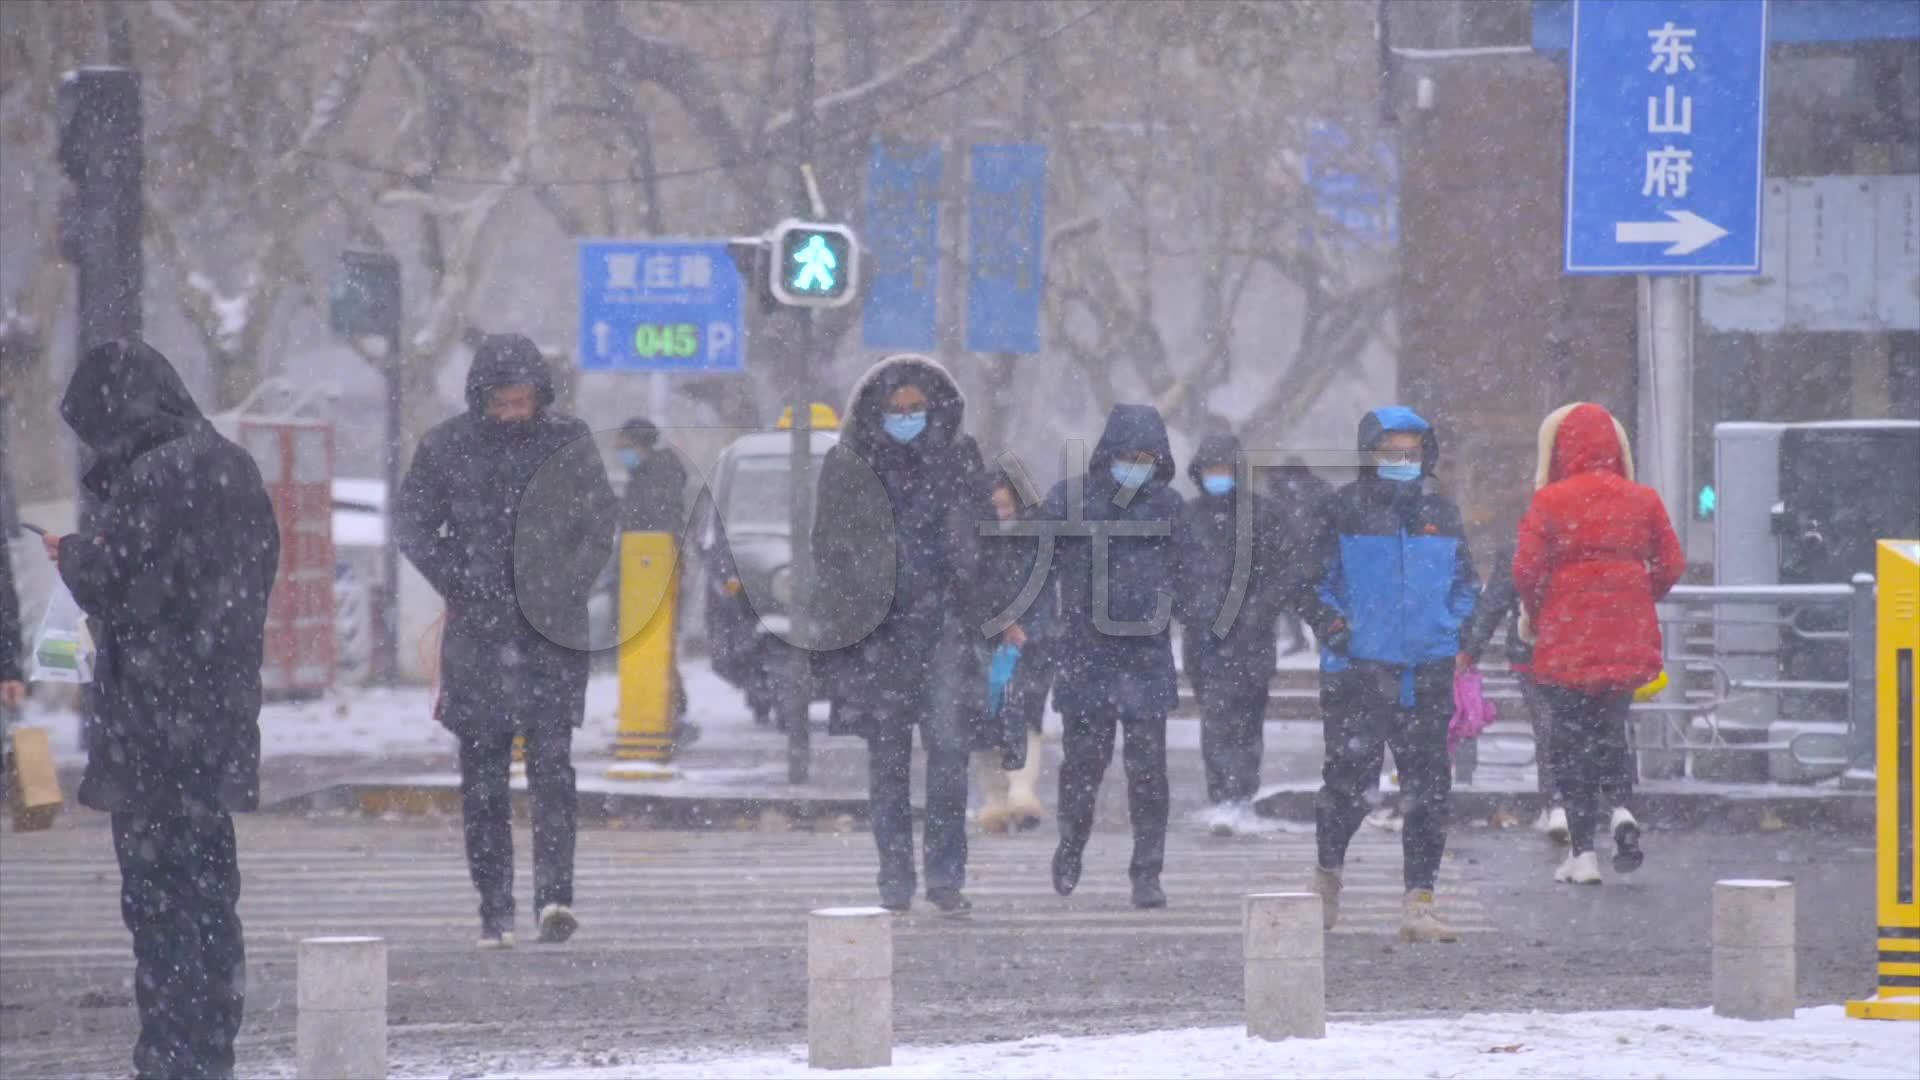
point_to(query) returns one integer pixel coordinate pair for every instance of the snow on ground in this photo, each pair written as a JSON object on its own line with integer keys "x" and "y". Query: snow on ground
{"x": 1669, "y": 1043}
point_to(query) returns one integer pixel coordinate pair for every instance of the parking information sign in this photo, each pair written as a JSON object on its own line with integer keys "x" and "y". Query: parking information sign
{"x": 665, "y": 305}
{"x": 1666, "y": 130}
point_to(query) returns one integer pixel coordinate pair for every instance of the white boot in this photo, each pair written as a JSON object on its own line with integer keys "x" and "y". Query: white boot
{"x": 1581, "y": 869}
{"x": 1023, "y": 800}
{"x": 992, "y": 816}
{"x": 1557, "y": 830}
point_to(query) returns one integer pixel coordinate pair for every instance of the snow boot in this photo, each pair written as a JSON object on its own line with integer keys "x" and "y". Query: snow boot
{"x": 994, "y": 814}
{"x": 1627, "y": 855}
{"x": 1023, "y": 802}
{"x": 1148, "y": 895}
{"x": 1223, "y": 819}
{"x": 495, "y": 934}
{"x": 1581, "y": 869}
{"x": 557, "y": 924}
{"x": 951, "y": 902}
{"x": 1066, "y": 870}
{"x": 1327, "y": 884}
{"x": 1419, "y": 923}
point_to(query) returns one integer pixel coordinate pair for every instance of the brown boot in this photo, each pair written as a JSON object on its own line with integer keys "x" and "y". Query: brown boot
{"x": 1327, "y": 884}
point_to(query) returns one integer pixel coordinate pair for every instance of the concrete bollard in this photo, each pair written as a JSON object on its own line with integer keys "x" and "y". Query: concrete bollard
{"x": 1286, "y": 966}
{"x": 850, "y": 988}
{"x": 1753, "y": 961}
{"x": 343, "y": 1009}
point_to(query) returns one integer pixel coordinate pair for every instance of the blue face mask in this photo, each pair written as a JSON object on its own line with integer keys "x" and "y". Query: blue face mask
{"x": 905, "y": 427}
{"x": 630, "y": 457}
{"x": 1217, "y": 484}
{"x": 1131, "y": 474}
{"x": 1402, "y": 471}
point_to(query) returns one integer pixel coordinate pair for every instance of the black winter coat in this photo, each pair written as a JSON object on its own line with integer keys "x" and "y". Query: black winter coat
{"x": 1238, "y": 664}
{"x": 9, "y": 620}
{"x": 1499, "y": 603}
{"x": 1007, "y": 563}
{"x": 510, "y": 523}
{"x": 174, "y": 574}
{"x": 895, "y": 611}
{"x": 655, "y": 499}
{"x": 1116, "y": 666}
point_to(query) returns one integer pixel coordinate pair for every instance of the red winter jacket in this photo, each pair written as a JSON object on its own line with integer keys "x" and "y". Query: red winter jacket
{"x": 1595, "y": 552}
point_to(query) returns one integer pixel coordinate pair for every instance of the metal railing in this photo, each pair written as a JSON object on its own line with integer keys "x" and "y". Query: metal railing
{"x": 1691, "y": 717}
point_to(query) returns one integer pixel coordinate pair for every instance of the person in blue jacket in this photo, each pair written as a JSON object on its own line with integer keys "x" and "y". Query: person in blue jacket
{"x": 1395, "y": 585}
{"x": 1117, "y": 568}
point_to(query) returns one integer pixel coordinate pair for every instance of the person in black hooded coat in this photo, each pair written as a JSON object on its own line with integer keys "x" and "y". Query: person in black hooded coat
{"x": 1231, "y": 672}
{"x": 1111, "y": 647}
{"x": 507, "y": 513}
{"x": 173, "y": 572}
{"x": 896, "y": 611}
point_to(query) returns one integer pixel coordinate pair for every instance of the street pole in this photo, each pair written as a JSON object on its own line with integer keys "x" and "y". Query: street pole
{"x": 800, "y": 516}
{"x": 1665, "y": 321}
{"x": 390, "y": 542}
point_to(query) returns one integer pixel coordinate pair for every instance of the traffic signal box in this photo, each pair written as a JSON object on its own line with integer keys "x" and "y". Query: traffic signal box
{"x": 1897, "y": 772}
{"x": 813, "y": 264}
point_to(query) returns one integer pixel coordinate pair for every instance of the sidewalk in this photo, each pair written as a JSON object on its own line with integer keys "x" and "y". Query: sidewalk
{"x": 1654, "y": 1043}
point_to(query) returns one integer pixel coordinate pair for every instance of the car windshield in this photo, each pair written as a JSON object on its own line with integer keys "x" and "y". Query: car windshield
{"x": 758, "y": 494}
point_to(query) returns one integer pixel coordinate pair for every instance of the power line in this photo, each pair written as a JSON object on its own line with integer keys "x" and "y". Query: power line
{"x": 744, "y": 159}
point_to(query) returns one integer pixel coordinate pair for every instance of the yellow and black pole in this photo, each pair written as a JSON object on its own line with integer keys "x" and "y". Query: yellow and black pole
{"x": 1897, "y": 769}
{"x": 649, "y": 590}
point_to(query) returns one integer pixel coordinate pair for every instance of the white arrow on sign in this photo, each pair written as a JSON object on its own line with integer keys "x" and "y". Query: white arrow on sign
{"x": 1688, "y": 232}
{"x": 601, "y": 331}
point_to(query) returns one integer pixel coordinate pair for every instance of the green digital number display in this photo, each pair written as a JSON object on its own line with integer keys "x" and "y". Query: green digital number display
{"x": 679, "y": 341}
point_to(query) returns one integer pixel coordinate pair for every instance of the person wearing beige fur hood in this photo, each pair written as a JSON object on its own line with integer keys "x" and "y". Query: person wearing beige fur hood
{"x": 1594, "y": 555}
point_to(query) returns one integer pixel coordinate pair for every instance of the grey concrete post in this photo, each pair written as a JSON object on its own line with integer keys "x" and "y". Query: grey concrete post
{"x": 343, "y": 1009}
{"x": 850, "y": 988}
{"x": 1753, "y": 960}
{"x": 1286, "y": 981}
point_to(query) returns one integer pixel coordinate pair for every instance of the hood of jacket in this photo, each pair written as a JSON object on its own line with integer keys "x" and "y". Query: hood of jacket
{"x": 1579, "y": 438}
{"x": 1130, "y": 429}
{"x": 1381, "y": 422}
{"x": 125, "y": 398}
{"x": 507, "y": 360}
{"x": 1220, "y": 448}
{"x": 861, "y": 427}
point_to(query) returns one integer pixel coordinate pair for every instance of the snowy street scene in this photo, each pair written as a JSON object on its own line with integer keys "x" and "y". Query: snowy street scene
{"x": 936, "y": 538}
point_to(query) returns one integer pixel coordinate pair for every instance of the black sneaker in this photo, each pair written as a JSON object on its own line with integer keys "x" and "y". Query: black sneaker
{"x": 951, "y": 902}
{"x": 899, "y": 905}
{"x": 1147, "y": 894}
{"x": 1066, "y": 870}
{"x": 1627, "y": 855}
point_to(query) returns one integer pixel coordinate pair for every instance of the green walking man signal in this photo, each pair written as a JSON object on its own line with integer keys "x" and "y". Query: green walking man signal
{"x": 814, "y": 264}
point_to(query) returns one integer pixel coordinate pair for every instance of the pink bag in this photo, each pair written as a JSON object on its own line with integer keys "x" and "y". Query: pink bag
{"x": 1472, "y": 712}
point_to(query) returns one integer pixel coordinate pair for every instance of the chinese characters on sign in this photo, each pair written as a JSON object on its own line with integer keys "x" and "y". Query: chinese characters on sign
{"x": 1665, "y": 136}
{"x": 659, "y": 306}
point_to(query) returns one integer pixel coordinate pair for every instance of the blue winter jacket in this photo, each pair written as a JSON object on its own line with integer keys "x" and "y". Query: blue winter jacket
{"x": 1393, "y": 564}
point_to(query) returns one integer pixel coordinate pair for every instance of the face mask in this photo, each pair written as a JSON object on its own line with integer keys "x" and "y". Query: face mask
{"x": 630, "y": 457}
{"x": 905, "y": 427}
{"x": 1402, "y": 471}
{"x": 1131, "y": 474}
{"x": 1217, "y": 485}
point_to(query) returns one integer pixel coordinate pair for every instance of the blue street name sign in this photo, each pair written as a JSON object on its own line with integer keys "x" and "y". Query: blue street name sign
{"x": 901, "y": 237}
{"x": 660, "y": 305}
{"x": 1006, "y": 224}
{"x": 1666, "y": 130}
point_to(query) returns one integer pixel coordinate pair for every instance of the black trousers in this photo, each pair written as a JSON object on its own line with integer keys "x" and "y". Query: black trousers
{"x": 1590, "y": 755}
{"x": 1232, "y": 741}
{"x": 486, "y": 810}
{"x": 1362, "y": 716}
{"x": 889, "y": 790}
{"x": 179, "y": 887}
{"x": 1088, "y": 747}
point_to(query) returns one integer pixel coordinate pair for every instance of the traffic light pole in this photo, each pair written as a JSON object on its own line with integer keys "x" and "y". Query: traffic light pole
{"x": 800, "y": 688}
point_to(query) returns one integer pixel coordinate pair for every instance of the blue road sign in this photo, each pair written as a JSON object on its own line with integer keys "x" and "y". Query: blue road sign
{"x": 660, "y": 305}
{"x": 1006, "y": 226}
{"x": 1666, "y": 130}
{"x": 901, "y": 235}
{"x": 1356, "y": 192}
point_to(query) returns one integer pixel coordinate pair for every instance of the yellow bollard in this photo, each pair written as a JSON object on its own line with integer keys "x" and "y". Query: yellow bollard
{"x": 649, "y": 588}
{"x": 1897, "y": 756}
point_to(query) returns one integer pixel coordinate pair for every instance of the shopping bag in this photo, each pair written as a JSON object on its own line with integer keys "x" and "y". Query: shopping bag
{"x": 63, "y": 650}
{"x": 1472, "y": 712}
{"x": 33, "y": 787}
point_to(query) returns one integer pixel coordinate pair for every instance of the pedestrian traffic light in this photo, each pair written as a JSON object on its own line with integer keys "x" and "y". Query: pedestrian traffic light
{"x": 813, "y": 264}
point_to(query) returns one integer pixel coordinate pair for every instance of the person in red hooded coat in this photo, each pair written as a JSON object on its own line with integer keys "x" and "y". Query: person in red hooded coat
{"x": 1595, "y": 552}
